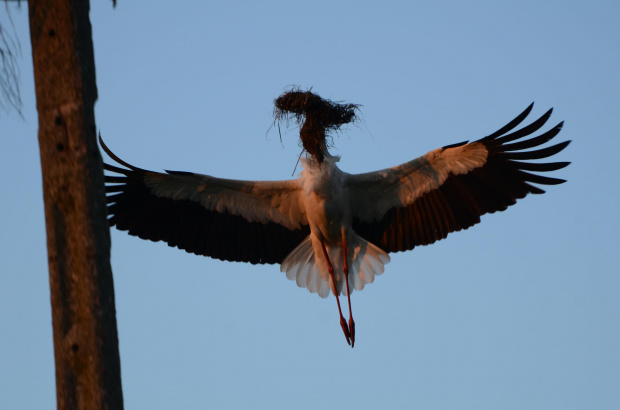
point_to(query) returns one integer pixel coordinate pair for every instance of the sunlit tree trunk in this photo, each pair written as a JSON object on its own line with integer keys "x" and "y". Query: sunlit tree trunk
{"x": 78, "y": 241}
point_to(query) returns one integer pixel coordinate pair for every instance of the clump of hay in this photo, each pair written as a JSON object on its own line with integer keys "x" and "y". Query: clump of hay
{"x": 315, "y": 116}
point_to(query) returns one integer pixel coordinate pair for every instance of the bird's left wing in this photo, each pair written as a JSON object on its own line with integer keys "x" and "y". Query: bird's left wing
{"x": 245, "y": 221}
{"x": 448, "y": 189}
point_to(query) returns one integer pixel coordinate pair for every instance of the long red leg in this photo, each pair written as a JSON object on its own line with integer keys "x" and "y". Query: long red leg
{"x": 345, "y": 268}
{"x": 343, "y": 322}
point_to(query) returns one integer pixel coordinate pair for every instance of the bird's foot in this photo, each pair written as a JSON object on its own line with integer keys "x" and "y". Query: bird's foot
{"x": 345, "y": 329}
{"x": 352, "y": 330}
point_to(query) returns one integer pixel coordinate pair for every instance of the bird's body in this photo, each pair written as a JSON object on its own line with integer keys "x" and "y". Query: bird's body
{"x": 330, "y": 230}
{"x": 326, "y": 200}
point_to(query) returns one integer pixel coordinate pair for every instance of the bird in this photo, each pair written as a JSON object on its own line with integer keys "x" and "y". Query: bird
{"x": 331, "y": 231}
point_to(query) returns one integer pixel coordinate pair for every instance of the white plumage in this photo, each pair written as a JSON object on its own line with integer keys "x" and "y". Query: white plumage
{"x": 327, "y": 201}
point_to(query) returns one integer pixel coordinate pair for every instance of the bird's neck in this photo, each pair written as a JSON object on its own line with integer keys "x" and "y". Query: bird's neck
{"x": 312, "y": 164}
{"x": 320, "y": 178}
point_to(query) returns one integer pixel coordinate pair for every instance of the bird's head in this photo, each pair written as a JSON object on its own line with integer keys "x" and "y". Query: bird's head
{"x": 315, "y": 116}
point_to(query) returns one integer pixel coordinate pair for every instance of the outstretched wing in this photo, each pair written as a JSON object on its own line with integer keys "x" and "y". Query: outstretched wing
{"x": 448, "y": 189}
{"x": 244, "y": 221}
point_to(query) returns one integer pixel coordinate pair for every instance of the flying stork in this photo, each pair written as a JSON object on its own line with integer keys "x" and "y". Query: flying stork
{"x": 331, "y": 231}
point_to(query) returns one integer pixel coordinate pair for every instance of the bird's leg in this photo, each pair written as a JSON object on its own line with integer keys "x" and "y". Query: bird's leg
{"x": 345, "y": 268}
{"x": 343, "y": 322}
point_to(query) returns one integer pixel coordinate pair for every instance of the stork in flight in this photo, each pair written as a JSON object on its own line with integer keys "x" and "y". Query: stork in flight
{"x": 331, "y": 231}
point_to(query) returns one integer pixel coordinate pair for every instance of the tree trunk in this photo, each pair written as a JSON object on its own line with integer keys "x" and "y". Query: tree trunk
{"x": 78, "y": 237}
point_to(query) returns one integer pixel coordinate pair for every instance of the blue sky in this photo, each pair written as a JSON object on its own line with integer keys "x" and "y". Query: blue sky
{"x": 521, "y": 311}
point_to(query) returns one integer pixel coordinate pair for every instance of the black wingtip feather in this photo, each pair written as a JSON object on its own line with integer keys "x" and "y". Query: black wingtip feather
{"x": 527, "y": 130}
{"x": 117, "y": 159}
{"x": 118, "y": 170}
{"x": 532, "y": 142}
{"x": 539, "y": 179}
{"x": 538, "y": 154}
{"x": 539, "y": 167}
{"x": 178, "y": 172}
{"x": 458, "y": 144}
{"x": 512, "y": 124}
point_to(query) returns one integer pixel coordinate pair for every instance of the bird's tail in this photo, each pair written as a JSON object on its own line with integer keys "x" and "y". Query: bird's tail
{"x": 365, "y": 260}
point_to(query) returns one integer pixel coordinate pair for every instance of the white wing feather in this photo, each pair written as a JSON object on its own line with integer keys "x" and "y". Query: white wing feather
{"x": 374, "y": 193}
{"x": 255, "y": 201}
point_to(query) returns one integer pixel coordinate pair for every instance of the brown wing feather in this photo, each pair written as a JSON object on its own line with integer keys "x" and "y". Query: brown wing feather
{"x": 459, "y": 202}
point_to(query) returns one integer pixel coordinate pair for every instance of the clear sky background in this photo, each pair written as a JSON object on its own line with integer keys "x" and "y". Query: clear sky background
{"x": 521, "y": 311}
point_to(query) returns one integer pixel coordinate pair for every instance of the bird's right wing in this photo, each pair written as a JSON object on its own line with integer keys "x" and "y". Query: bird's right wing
{"x": 245, "y": 221}
{"x": 448, "y": 189}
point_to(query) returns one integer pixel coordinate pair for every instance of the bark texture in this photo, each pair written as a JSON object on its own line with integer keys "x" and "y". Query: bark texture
{"x": 78, "y": 239}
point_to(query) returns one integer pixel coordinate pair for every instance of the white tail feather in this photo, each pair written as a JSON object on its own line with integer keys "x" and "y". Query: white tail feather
{"x": 306, "y": 265}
